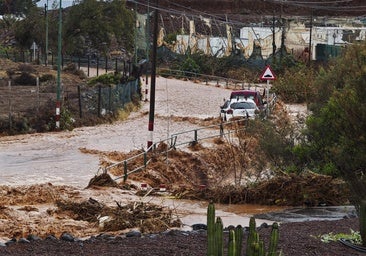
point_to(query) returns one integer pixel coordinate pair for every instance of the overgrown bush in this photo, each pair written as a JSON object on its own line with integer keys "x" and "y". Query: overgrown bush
{"x": 190, "y": 67}
{"x": 25, "y": 79}
{"x": 295, "y": 85}
{"x": 46, "y": 77}
{"x": 26, "y": 68}
{"x": 106, "y": 79}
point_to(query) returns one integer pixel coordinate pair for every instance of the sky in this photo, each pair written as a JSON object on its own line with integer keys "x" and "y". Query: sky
{"x": 65, "y": 3}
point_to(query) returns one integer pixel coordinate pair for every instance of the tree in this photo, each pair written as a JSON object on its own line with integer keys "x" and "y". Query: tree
{"x": 336, "y": 132}
{"x": 91, "y": 26}
{"x": 29, "y": 29}
{"x": 17, "y": 7}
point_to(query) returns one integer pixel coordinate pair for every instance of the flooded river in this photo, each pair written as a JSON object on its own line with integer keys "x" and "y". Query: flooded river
{"x": 56, "y": 157}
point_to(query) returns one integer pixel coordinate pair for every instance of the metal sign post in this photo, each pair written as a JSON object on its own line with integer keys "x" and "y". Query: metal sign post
{"x": 268, "y": 75}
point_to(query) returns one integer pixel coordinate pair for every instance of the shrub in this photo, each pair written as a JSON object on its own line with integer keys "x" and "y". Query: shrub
{"x": 25, "y": 79}
{"x": 47, "y": 77}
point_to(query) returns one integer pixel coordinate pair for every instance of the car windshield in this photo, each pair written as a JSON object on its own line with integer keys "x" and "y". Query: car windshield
{"x": 243, "y": 97}
{"x": 243, "y": 105}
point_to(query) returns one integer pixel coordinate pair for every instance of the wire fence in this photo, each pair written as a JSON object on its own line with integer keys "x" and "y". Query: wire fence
{"x": 108, "y": 99}
{"x": 101, "y": 64}
{"x": 20, "y": 104}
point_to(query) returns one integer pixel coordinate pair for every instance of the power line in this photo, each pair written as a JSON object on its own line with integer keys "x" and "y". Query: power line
{"x": 317, "y": 5}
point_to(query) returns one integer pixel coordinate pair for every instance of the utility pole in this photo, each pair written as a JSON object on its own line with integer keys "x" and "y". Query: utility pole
{"x": 136, "y": 28}
{"x": 274, "y": 38}
{"x": 153, "y": 76}
{"x": 147, "y": 45}
{"x": 311, "y": 32}
{"x": 46, "y": 13}
{"x": 58, "y": 90}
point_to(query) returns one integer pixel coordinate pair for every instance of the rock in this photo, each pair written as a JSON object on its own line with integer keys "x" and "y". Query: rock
{"x": 264, "y": 225}
{"x": 67, "y": 237}
{"x": 23, "y": 241}
{"x": 106, "y": 236}
{"x": 11, "y": 241}
{"x": 133, "y": 233}
{"x": 33, "y": 238}
{"x": 230, "y": 227}
{"x": 199, "y": 226}
{"x": 175, "y": 232}
{"x": 51, "y": 237}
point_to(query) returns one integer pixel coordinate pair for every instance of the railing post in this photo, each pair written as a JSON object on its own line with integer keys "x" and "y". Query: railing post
{"x": 125, "y": 171}
{"x": 145, "y": 159}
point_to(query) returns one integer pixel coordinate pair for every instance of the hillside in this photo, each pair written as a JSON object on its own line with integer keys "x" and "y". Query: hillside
{"x": 254, "y": 9}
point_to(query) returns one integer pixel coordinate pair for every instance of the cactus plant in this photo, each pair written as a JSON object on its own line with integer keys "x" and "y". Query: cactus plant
{"x": 272, "y": 250}
{"x": 211, "y": 230}
{"x": 219, "y": 239}
{"x": 232, "y": 243}
{"x": 251, "y": 239}
{"x": 238, "y": 239}
{"x": 255, "y": 246}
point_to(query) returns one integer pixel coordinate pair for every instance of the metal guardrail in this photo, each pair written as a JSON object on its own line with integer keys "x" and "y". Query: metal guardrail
{"x": 174, "y": 141}
{"x": 218, "y": 80}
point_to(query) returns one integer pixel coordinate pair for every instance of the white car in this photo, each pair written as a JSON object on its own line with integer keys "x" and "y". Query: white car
{"x": 238, "y": 108}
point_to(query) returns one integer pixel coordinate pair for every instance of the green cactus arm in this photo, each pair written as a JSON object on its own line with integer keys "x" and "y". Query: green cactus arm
{"x": 272, "y": 249}
{"x": 219, "y": 237}
{"x": 211, "y": 230}
{"x": 232, "y": 243}
{"x": 239, "y": 239}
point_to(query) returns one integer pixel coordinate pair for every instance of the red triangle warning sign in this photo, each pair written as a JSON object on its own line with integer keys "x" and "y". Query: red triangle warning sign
{"x": 268, "y": 74}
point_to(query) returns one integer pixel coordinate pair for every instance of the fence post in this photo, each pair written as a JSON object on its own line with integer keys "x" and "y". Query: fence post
{"x": 125, "y": 171}
{"x": 195, "y": 136}
{"x": 79, "y": 96}
{"x": 116, "y": 66}
{"x": 9, "y": 100}
{"x": 145, "y": 159}
{"x": 106, "y": 64}
{"x": 97, "y": 65}
{"x": 88, "y": 65}
{"x": 221, "y": 130}
{"x": 124, "y": 68}
{"x": 110, "y": 98}
{"x": 37, "y": 83}
{"x": 99, "y": 99}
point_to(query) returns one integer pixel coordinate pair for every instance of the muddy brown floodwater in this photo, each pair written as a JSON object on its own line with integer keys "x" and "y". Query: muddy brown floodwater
{"x": 38, "y": 169}
{"x": 56, "y": 159}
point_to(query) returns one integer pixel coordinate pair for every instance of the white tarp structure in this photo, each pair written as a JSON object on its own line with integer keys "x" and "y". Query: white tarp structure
{"x": 297, "y": 39}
